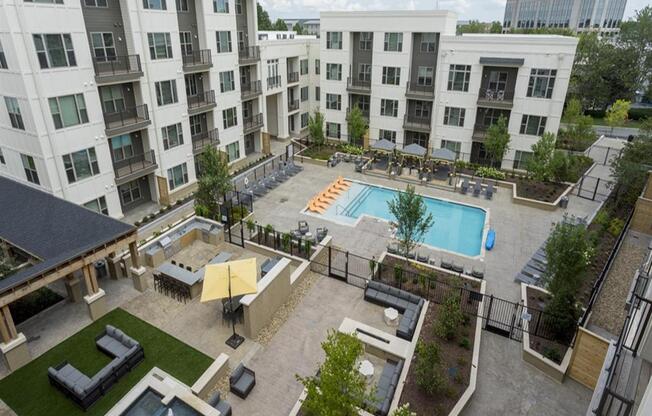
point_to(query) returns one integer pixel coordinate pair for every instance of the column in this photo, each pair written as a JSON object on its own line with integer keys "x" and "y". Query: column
{"x": 137, "y": 271}
{"x": 96, "y": 298}
{"x": 73, "y": 288}
{"x": 14, "y": 344}
{"x": 110, "y": 266}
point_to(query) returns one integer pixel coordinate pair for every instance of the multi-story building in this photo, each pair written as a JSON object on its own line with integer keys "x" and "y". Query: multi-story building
{"x": 417, "y": 82}
{"x": 310, "y": 26}
{"x": 603, "y": 16}
{"x": 109, "y": 102}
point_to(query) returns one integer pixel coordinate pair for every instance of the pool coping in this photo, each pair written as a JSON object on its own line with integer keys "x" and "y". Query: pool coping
{"x": 485, "y": 229}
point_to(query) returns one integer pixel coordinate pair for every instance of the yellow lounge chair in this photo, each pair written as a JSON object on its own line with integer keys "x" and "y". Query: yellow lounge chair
{"x": 314, "y": 208}
{"x": 323, "y": 201}
{"x": 320, "y": 204}
{"x": 341, "y": 181}
{"x": 333, "y": 190}
{"x": 339, "y": 186}
{"x": 328, "y": 196}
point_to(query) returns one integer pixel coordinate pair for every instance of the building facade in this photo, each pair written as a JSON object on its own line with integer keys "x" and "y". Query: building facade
{"x": 310, "y": 26}
{"x": 603, "y": 16}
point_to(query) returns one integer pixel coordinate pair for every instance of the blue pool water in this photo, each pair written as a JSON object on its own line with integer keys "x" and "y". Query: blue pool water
{"x": 458, "y": 228}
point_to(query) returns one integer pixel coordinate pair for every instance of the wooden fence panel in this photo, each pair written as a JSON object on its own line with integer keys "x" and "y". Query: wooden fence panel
{"x": 588, "y": 357}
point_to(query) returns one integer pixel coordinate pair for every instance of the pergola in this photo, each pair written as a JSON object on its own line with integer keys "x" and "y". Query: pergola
{"x": 60, "y": 238}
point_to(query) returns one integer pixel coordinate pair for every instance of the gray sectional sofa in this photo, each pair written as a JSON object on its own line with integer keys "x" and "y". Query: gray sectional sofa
{"x": 406, "y": 303}
{"x": 126, "y": 353}
{"x": 386, "y": 388}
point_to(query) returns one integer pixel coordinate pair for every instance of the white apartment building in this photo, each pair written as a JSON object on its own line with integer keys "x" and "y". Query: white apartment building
{"x": 417, "y": 82}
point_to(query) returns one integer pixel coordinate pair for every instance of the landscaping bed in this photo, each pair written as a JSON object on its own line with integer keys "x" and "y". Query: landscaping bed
{"x": 540, "y": 191}
{"x": 550, "y": 349}
{"x": 319, "y": 152}
{"x": 30, "y": 305}
{"x": 411, "y": 272}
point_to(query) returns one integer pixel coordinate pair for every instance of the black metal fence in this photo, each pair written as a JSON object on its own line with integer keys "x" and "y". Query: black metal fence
{"x": 285, "y": 242}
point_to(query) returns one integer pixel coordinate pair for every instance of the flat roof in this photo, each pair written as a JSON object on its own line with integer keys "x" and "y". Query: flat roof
{"x": 50, "y": 228}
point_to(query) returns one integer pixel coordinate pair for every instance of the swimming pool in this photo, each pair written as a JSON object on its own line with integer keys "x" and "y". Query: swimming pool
{"x": 458, "y": 228}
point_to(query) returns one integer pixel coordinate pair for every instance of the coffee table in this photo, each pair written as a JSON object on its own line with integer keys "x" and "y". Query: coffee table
{"x": 391, "y": 316}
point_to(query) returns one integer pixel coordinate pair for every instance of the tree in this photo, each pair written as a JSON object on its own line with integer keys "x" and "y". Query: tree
{"x": 496, "y": 27}
{"x": 616, "y": 115}
{"x": 340, "y": 389}
{"x": 542, "y": 153}
{"x": 573, "y": 110}
{"x": 299, "y": 29}
{"x": 316, "y": 128}
{"x": 450, "y": 317}
{"x": 579, "y": 133}
{"x": 474, "y": 26}
{"x": 412, "y": 217}
{"x": 562, "y": 314}
{"x": 428, "y": 368}
{"x": 357, "y": 125}
{"x": 497, "y": 141}
{"x": 264, "y": 23}
{"x": 214, "y": 181}
{"x": 280, "y": 25}
{"x": 569, "y": 253}
{"x": 631, "y": 167}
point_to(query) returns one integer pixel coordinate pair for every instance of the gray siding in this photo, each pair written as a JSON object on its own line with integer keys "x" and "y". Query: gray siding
{"x": 188, "y": 22}
{"x": 106, "y": 19}
{"x": 359, "y": 56}
{"x": 512, "y": 73}
{"x": 411, "y": 107}
{"x": 427, "y": 59}
{"x": 127, "y": 93}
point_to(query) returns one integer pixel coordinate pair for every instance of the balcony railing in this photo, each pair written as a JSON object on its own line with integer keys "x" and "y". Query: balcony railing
{"x": 420, "y": 91}
{"x": 253, "y": 123}
{"x": 125, "y": 67}
{"x": 411, "y": 122}
{"x": 204, "y": 139}
{"x": 293, "y": 77}
{"x": 198, "y": 59}
{"x": 127, "y": 167}
{"x": 251, "y": 90}
{"x": 355, "y": 84}
{"x": 203, "y": 99}
{"x": 129, "y": 117}
{"x": 365, "y": 113}
{"x": 249, "y": 54}
{"x": 273, "y": 82}
{"x": 293, "y": 105}
{"x": 490, "y": 96}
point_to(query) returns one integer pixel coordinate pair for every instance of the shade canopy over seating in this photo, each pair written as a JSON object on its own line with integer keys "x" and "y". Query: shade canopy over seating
{"x": 383, "y": 145}
{"x": 444, "y": 154}
{"x": 414, "y": 150}
{"x": 233, "y": 278}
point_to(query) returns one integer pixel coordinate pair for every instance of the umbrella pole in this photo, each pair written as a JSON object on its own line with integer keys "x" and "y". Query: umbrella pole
{"x": 234, "y": 340}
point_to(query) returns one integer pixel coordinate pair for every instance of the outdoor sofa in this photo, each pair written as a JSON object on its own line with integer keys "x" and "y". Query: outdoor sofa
{"x": 386, "y": 388}
{"x": 242, "y": 381}
{"x": 406, "y": 303}
{"x": 84, "y": 391}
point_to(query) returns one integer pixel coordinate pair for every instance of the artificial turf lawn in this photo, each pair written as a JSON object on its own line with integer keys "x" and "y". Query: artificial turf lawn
{"x": 28, "y": 392}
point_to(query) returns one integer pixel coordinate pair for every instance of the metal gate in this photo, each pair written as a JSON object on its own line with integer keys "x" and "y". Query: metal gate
{"x": 503, "y": 317}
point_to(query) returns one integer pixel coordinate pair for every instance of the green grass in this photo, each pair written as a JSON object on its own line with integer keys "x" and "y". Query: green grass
{"x": 28, "y": 392}
{"x": 319, "y": 152}
{"x": 599, "y": 121}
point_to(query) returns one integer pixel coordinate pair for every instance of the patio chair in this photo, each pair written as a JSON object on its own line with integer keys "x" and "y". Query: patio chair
{"x": 457, "y": 268}
{"x": 222, "y": 406}
{"x": 478, "y": 274}
{"x": 392, "y": 249}
{"x": 464, "y": 188}
{"x": 303, "y": 227}
{"x": 423, "y": 258}
{"x": 321, "y": 233}
{"x": 242, "y": 381}
{"x": 446, "y": 264}
{"x": 520, "y": 277}
{"x": 489, "y": 192}
{"x": 537, "y": 266}
{"x": 477, "y": 188}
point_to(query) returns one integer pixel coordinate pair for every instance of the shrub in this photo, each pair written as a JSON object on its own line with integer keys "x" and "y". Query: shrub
{"x": 562, "y": 314}
{"x": 552, "y": 354}
{"x": 307, "y": 245}
{"x": 398, "y": 273}
{"x": 404, "y": 410}
{"x": 616, "y": 227}
{"x": 286, "y": 240}
{"x": 465, "y": 343}
{"x": 491, "y": 173}
{"x": 428, "y": 370}
{"x": 450, "y": 317}
{"x": 239, "y": 213}
{"x": 569, "y": 252}
{"x": 251, "y": 225}
{"x": 352, "y": 149}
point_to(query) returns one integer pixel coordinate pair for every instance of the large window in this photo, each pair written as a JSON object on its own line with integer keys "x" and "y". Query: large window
{"x": 54, "y": 50}
{"x": 3, "y": 59}
{"x": 185, "y": 38}
{"x": 221, "y": 6}
{"x": 387, "y": 135}
{"x": 130, "y": 192}
{"x": 425, "y": 75}
{"x": 227, "y": 81}
{"x": 317, "y": 69}
{"x": 452, "y": 145}
{"x": 334, "y": 72}
{"x": 230, "y": 117}
{"x": 458, "y": 77}
{"x": 391, "y": 75}
{"x": 428, "y": 42}
{"x": 172, "y": 136}
{"x": 333, "y": 102}
{"x": 521, "y": 159}
{"x": 317, "y": 93}
{"x": 160, "y": 46}
{"x": 422, "y": 109}
{"x": 238, "y": 6}
{"x": 13, "y": 109}
{"x": 113, "y": 100}
{"x": 454, "y": 116}
{"x": 223, "y": 41}
{"x": 68, "y": 110}
{"x": 303, "y": 66}
{"x": 542, "y": 82}
{"x": 366, "y": 41}
{"x": 304, "y": 120}
{"x": 333, "y": 40}
{"x": 389, "y": 108}
{"x": 30, "y": 169}
{"x": 81, "y": 165}
{"x": 304, "y": 93}
{"x": 533, "y": 125}
{"x": 393, "y": 42}
{"x": 233, "y": 151}
{"x": 177, "y": 176}
{"x": 196, "y": 124}
{"x": 91, "y": 3}
{"x": 98, "y": 205}
{"x": 155, "y": 4}
{"x": 166, "y": 92}
{"x": 103, "y": 46}
{"x": 122, "y": 147}
{"x": 333, "y": 130}
{"x": 364, "y": 72}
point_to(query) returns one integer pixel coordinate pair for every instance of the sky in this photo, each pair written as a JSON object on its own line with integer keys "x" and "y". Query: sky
{"x": 483, "y": 10}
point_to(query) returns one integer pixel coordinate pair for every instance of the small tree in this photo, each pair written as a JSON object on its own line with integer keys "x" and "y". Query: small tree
{"x": 412, "y": 218}
{"x": 214, "y": 181}
{"x": 573, "y": 110}
{"x": 562, "y": 315}
{"x": 497, "y": 142}
{"x": 357, "y": 125}
{"x": 496, "y": 27}
{"x": 316, "y": 128}
{"x": 542, "y": 153}
{"x": 298, "y": 29}
{"x": 280, "y": 25}
{"x": 616, "y": 115}
{"x": 569, "y": 253}
{"x": 340, "y": 389}
{"x": 428, "y": 369}
{"x": 450, "y": 317}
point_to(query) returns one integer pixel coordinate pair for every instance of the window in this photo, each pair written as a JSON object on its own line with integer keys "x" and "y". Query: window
{"x": 112, "y": 99}
{"x": 221, "y": 6}
{"x": 452, "y": 145}
{"x": 362, "y": 101}
{"x": 122, "y": 147}
{"x": 91, "y": 3}
{"x": 303, "y": 66}
{"x": 45, "y": 1}
{"x": 334, "y": 72}
{"x": 542, "y": 82}
{"x": 233, "y": 151}
{"x": 238, "y": 6}
{"x": 366, "y": 41}
{"x": 2, "y": 158}
{"x": 182, "y": 5}
{"x": 304, "y": 120}
{"x": 227, "y": 81}
{"x": 317, "y": 69}
{"x": 291, "y": 123}
{"x": 391, "y": 75}
{"x": 387, "y": 135}
{"x": 364, "y": 72}
{"x": 425, "y": 75}
{"x": 172, "y": 136}
{"x": 521, "y": 159}
{"x": 186, "y": 43}
{"x": 223, "y": 41}
{"x": 130, "y": 192}
{"x": 389, "y": 108}
{"x": 68, "y": 110}
{"x": 160, "y": 46}
{"x": 81, "y": 165}
{"x": 533, "y": 125}
{"x": 98, "y": 205}
{"x": 177, "y": 176}
{"x": 333, "y": 101}
{"x": 3, "y": 59}
{"x": 15, "y": 116}
{"x": 317, "y": 93}
{"x": 333, "y": 130}
{"x": 333, "y": 40}
{"x": 428, "y": 42}
{"x": 304, "y": 93}
{"x": 166, "y": 92}
{"x": 103, "y": 46}
{"x": 454, "y": 116}
{"x": 30, "y": 169}
{"x": 422, "y": 109}
{"x": 196, "y": 124}
{"x": 54, "y": 51}
{"x": 458, "y": 77}
{"x": 155, "y": 4}
{"x": 230, "y": 117}
{"x": 393, "y": 42}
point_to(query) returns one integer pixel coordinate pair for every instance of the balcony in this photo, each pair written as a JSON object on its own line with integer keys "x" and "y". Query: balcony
{"x": 201, "y": 102}
{"x": 127, "y": 170}
{"x": 420, "y": 92}
{"x": 496, "y": 98}
{"x": 480, "y": 132}
{"x": 205, "y": 139}
{"x": 249, "y": 55}
{"x": 357, "y": 86}
{"x": 116, "y": 70}
{"x": 251, "y": 90}
{"x": 253, "y": 123}
{"x": 197, "y": 61}
{"x": 126, "y": 121}
{"x": 416, "y": 123}
{"x": 365, "y": 113}
{"x": 293, "y": 77}
{"x": 273, "y": 82}
{"x": 293, "y": 105}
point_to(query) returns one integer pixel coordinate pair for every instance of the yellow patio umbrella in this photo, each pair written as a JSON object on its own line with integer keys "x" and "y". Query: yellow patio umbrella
{"x": 225, "y": 280}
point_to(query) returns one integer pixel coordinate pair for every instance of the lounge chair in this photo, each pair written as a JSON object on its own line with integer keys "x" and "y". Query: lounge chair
{"x": 477, "y": 188}
{"x": 269, "y": 183}
{"x": 529, "y": 271}
{"x": 536, "y": 265}
{"x": 464, "y": 188}
{"x": 320, "y": 203}
{"x": 540, "y": 258}
{"x": 316, "y": 208}
{"x": 423, "y": 258}
{"x": 279, "y": 178}
{"x": 333, "y": 190}
{"x": 392, "y": 249}
{"x": 478, "y": 274}
{"x": 321, "y": 233}
{"x": 520, "y": 277}
{"x": 259, "y": 190}
{"x": 457, "y": 268}
{"x": 328, "y": 196}
{"x": 445, "y": 264}
{"x": 303, "y": 227}
{"x": 489, "y": 192}
{"x": 412, "y": 255}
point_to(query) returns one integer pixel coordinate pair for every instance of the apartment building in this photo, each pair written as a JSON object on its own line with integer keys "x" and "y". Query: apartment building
{"x": 603, "y": 16}
{"x": 109, "y": 102}
{"x": 310, "y": 26}
{"x": 417, "y": 82}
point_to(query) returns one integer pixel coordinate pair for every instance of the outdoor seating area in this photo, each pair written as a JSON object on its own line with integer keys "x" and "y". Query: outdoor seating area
{"x": 386, "y": 387}
{"x": 272, "y": 180}
{"x": 534, "y": 270}
{"x": 454, "y": 265}
{"x": 241, "y": 381}
{"x": 477, "y": 188}
{"x": 407, "y": 304}
{"x": 325, "y": 198}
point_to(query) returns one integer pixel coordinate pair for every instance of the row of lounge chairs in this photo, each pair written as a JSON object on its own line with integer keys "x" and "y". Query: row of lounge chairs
{"x": 273, "y": 180}
{"x": 443, "y": 263}
{"x": 322, "y": 201}
{"x": 533, "y": 272}
{"x": 477, "y": 188}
